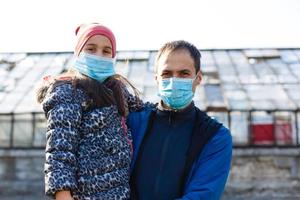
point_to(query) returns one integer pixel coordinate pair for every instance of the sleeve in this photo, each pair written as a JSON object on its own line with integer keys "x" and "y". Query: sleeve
{"x": 134, "y": 102}
{"x": 63, "y": 112}
{"x": 212, "y": 169}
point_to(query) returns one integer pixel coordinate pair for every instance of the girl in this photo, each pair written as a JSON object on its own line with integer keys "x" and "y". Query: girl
{"x": 88, "y": 150}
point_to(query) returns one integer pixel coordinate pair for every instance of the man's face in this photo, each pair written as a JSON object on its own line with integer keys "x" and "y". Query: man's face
{"x": 177, "y": 64}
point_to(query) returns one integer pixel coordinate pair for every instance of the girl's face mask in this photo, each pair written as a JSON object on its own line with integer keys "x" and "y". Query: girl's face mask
{"x": 95, "y": 67}
{"x": 176, "y": 93}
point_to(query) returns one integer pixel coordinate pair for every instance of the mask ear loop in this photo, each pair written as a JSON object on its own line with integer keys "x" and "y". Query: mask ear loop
{"x": 198, "y": 75}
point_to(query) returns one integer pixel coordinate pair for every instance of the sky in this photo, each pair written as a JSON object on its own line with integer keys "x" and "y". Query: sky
{"x": 49, "y": 25}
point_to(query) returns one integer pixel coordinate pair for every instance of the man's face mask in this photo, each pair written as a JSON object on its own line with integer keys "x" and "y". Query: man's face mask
{"x": 95, "y": 67}
{"x": 176, "y": 93}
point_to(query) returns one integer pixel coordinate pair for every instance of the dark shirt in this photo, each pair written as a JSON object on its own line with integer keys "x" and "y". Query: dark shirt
{"x": 160, "y": 165}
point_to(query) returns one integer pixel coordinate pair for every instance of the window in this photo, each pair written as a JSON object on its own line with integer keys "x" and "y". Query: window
{"x": 122, "y": 67}
{"x": 39, "y": 137}
{"x": 22, "y": 132}
{"x": 267, "y": 96}
{"x": 293, "y": 91}
{"x": 207, "y": 58}
{"x": 261, "y": 53}
{"x": 295, "y": 68}
{"x": 137, "y": 72}
{"x": 199, "y": 97}
{"x": 273, "y": 128}
{"x": 214, "y": 97}
{"x": 239, "y": 127}
{"x": 238, "y": 58}
{"x": 136, "y": 55}
{"x": 284, "y": 128}
{"x": 5, "y": 130}
{"x": 221, "y": 58}
{"x": 150, "y": 94}
{"x": 288, "y": 56}
{"x": 151, "y": 61}
{"x": 262, "y": 128}
{"x": 264, "y": 73}
{"x": 237, "y": 99}
{"x": 220, "y": 116}
{"x": 28, "y": 103}
{"x": 9, "y": 101}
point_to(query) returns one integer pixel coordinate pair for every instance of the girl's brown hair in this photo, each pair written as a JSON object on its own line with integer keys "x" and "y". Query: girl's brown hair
{"x": 110, "y": 92}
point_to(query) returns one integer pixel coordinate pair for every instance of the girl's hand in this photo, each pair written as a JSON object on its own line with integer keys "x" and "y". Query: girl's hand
{"x": 63, "y": 195}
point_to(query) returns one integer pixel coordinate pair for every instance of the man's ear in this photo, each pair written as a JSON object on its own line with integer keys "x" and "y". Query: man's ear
{"x": 198, "y": 78}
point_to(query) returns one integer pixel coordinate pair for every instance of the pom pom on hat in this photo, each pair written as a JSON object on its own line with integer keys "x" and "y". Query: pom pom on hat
{"x": 85, "y": 31}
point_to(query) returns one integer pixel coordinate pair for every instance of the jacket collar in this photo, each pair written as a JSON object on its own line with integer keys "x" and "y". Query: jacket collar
{"x": 186, "y": 112}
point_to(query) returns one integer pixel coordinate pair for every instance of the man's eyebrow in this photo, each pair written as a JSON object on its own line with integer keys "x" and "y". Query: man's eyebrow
{"x": 166, "y": 70}
{"x": 185, "y": 70}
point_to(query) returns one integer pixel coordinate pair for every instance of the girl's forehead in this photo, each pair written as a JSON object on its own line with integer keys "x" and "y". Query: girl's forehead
{"x": 99, "y": 40}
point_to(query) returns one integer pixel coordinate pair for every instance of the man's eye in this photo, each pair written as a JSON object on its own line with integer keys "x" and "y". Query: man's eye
{"x": 166, "y": 75}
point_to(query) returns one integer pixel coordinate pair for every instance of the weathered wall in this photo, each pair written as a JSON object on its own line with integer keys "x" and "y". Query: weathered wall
{"x": 264, "y": 174}
{"x": 21, "y": 174}
{"x": 258, "y": 174}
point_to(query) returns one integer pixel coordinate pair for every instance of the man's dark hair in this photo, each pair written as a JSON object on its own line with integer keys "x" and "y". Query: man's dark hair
{"x": 181, "y": 45}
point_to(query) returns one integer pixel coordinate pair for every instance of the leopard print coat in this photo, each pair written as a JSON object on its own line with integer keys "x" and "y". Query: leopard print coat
{"x": 87, "y": 152}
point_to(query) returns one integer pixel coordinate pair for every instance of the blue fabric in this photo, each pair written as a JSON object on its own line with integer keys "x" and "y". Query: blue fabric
{"x": 95, "y": 67}
{"x": 176, "y": 92}
{"x": 161, "y": 163}
{"x": 209, "y": 172}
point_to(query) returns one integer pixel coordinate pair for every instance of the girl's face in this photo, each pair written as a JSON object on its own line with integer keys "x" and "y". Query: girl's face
{"x": 98, "y": 45}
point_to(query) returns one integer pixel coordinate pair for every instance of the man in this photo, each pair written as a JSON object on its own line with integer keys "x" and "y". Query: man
{"x": 179, "y": 151}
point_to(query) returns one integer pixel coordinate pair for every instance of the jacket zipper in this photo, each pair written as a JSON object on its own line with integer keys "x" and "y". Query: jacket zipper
{"x": 162, "y": 159}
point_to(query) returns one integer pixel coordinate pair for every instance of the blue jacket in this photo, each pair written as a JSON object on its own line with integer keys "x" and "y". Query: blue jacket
{"x": 209, "y": 172}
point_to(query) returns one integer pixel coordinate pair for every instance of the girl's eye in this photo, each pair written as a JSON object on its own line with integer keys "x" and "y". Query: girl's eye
{"x": 89, "y": 49}
{"x": 107, "y": 51}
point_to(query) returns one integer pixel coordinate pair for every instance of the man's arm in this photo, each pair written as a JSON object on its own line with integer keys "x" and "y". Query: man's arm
{"x": 210, "y": 172}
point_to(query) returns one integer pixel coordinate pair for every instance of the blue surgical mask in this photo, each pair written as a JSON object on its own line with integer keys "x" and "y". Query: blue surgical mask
{"x": 95, "y": 67}
{"x": 176, "y": 93}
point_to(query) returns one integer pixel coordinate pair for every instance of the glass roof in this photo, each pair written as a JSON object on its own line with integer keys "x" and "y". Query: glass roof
{"x": 232, "y": 79}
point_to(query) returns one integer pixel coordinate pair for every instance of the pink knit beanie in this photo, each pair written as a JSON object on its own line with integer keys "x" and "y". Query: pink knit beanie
{"x": 85, "y": 31}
